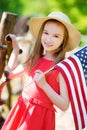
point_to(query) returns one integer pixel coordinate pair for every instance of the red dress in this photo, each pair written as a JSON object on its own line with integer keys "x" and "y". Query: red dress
{"x": 33, "y": 109}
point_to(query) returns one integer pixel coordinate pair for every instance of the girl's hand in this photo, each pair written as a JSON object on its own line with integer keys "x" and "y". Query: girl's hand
{"x": 40, "y": 79}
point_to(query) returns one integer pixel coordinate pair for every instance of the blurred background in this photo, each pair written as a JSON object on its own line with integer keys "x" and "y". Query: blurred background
{"x": 75, "y": 9}
{"x": 25, "y": 9}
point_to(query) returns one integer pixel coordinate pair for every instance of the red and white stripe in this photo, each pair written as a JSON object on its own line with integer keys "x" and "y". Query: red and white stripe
{"x": 72, "y": 71}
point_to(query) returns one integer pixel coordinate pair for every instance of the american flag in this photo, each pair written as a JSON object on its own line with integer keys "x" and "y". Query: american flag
{"x": 74, "y": 70}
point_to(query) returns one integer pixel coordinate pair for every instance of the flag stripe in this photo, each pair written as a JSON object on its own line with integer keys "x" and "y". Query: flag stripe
{"x": 62, "y": 68}
{"x": 81, "y": 79}
{"x": 76, "y": 82}
{"x": 74, "y": 71}
{"x": 75, "y": 88}
{"x": 78, "y": 93}
{"x": 81, "y": 84}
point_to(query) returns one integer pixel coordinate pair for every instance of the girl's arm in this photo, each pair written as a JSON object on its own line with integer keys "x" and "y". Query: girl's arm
{"x": 62, "y": 100}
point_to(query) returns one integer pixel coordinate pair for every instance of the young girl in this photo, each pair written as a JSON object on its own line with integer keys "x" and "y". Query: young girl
{"x": 43, "y": 87}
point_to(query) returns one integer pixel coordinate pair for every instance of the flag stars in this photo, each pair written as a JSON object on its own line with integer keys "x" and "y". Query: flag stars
{"x": 86, "y": 66}
{"x": 82, "y": 52}
{"x": 85, "y": 56}
{"x": 84, "y": 70}
{"x": 82, "y": 55}
{"x": 83, "y": 65}
{"x": 81, "y": 59}
{"x": 84, "y": 60}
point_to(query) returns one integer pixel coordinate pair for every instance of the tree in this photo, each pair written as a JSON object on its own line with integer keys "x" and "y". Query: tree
{"x": 75, "y": 9}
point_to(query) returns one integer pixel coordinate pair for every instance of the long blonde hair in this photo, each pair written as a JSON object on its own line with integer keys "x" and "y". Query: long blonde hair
{"x": 38, "y": 48}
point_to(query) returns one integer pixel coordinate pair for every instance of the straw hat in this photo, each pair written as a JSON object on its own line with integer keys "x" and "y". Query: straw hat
{"x": 74, "y": 35}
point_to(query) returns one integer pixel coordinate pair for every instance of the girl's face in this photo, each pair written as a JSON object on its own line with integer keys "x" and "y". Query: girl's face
{"x": 52, "y": 36}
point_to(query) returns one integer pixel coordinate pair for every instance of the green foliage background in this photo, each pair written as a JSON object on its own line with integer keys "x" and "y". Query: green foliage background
{"x": 75, "y": 9}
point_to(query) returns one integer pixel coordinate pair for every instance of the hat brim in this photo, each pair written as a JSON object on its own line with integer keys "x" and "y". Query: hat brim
{"x": 74, "y": 35}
